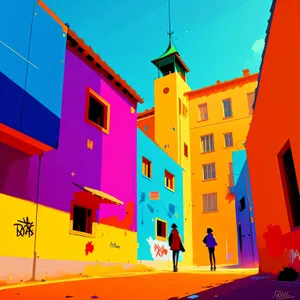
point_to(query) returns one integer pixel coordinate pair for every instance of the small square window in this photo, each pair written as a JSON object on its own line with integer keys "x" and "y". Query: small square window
{"x": 186, "y": 150}
{"x": 98, "y": 111}
{"x": 146, "y": 128}
{"x": 228, "y": 139}
{"x": 203, "y": 113}
{"x": 209, "y": 171}
{"x": 210, "y": 203}
{"x": 161, "y": 230}
{"x": 82, "y": 219}
{"x": 207, "y": 143}
{"x": 251, "y": 98}
{"x": 169, "y": 180}
{"x": 242, "y": 204}
{"x": 146, "y": 167}
{"x": 184, "y": 110}
{"x": 227, "y": 108}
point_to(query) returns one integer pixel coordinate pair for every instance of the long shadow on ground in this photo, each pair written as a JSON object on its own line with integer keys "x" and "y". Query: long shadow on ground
{"x": 249, "y": 288}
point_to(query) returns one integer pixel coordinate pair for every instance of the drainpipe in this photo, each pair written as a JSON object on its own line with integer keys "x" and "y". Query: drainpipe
{"x": 251, "y": 232}
{"x": 36, "y": 217}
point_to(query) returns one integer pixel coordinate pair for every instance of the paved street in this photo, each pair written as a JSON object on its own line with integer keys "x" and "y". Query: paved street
{"x": 227, "y": 285}
{"x": 153, "y": 286}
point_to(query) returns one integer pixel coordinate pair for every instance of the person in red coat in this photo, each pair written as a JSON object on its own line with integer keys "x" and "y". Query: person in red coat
{"x": 176, "y": 246}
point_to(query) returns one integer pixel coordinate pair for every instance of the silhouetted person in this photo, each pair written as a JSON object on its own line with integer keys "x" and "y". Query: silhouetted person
{"x": 176, "y": 246}
{"x": 210, "y": 243}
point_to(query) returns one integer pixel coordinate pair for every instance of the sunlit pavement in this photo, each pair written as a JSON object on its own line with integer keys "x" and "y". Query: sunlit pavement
{"x": 194, "y": 283}
{"x": 162, "y": 285}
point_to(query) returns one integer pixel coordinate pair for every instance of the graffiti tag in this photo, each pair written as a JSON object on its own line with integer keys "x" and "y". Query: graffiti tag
{"x": 89, "y": 248}
{"x": 24, "y": 227}
{"x": 160, "y": 250}
{"x": 293, "y": 255}
{"x": 282, "y": 295}
{"x": 114, "y": 245}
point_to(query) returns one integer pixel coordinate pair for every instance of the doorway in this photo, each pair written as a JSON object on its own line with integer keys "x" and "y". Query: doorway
{"x": 290, "y": 185}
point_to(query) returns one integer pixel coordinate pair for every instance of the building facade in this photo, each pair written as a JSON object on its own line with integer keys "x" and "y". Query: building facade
{"x": 168, "y": 124}
{"x": 219, "y": 121}
{"x": 246, "y": 234}
{"x": 75, "y": 206}
{"x": 160, "y": 201}
{"x": 273, "y": 147}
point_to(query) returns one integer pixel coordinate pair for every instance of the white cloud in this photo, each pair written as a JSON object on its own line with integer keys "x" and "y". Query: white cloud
{"x": 258, "y": 46}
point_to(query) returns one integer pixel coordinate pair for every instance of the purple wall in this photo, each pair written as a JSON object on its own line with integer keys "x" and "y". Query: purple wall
{"x": 109, "y": 167}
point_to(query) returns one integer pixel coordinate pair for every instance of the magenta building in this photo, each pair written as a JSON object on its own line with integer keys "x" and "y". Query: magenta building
{"x": 86, "y": 189}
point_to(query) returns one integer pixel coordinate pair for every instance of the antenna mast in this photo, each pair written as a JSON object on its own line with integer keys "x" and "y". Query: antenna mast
{"x": 170, "y": 25}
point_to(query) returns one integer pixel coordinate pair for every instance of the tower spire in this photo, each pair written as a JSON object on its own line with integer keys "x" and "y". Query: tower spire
{"x": 170, "y": 24}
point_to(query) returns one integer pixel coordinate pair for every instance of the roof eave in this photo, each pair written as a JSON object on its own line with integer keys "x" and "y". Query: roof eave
{"x": 176, "y": 55}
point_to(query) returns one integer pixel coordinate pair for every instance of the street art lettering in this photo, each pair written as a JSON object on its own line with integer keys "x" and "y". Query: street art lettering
{"x": 160, "y": 250}
{"x": 24, "y": 227}
{"x": 293, "y": 255}
{"x": 89, "y": 248}
{"x": 279, "y": 294}
{"x": 114, "y": 245}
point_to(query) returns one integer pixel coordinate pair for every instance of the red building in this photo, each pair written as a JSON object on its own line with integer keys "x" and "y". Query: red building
{"x": 273, "y": 143}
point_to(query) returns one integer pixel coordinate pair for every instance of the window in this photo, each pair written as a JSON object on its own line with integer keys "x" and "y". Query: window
{"x": 169, "y": 180}
{"x": 251, "y": 97}
{"x": 97, "y": 111}
{"x": 180, "y": 105}
{"x": 207, "y": 143}
{"x": 242, "y": 204}
{"x": 184, "y": 110}
{"x": 209, "y": 171}
{"x": 230, "y": 176}
{"x": 290, "y": 185}
{"x": 146, "y": 128}
{"x": 186, "y": 150}
{"x": 210, "y": 202}
{"x": 146, "y": 167}
{"x": 227, "y": 108}
{"x": 228, "y": 139}
{"x": 161, "y": 229}
{"x": 82, "y": 219}
{"x": 203, "y": 113}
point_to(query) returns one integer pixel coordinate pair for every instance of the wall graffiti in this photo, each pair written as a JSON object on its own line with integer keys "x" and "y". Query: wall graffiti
{"x": 89, "y": 248}
{"x": 24, "y": 227}
{"x": 159, "y": 249}
{"x": 293, "y": 255}
{"x": 114, "y": 245}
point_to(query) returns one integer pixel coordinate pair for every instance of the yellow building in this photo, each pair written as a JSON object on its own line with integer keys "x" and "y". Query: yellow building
{"x": 168, "y": 125}
{"x": 219, "y": 122}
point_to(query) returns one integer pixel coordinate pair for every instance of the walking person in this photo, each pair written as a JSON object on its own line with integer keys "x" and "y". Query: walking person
{"x": 176, "y": 246}
{"x": 210, "y": 243}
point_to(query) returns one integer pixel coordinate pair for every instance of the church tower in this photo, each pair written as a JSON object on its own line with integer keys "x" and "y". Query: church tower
{"x": 172, "y": 132}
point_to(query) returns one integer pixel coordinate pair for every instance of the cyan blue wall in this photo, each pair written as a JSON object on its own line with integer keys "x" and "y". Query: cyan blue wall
{"x": 148, "y": 209}
{"x": 32, "y": 53}
{"x": 248, "y": 256}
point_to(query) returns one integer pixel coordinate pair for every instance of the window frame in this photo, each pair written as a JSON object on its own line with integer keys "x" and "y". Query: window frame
{"x": 172, "y": 181}
{"x": 207, "y": 204}
{"x": 98, "y": 98}
{"x": 184, "y": 110}
{"x": 185, "y": 150}
{"x": 226, "y": 133}
{"x": 212, "y": 141}
{"x": 158, "y": 237}
{"x": 225, "y": 109}
{"x": 212, "y": 169}
{"x": 145, "y": 162}
{"x": 200, "y": 114}
{"x": 92, "y": 220}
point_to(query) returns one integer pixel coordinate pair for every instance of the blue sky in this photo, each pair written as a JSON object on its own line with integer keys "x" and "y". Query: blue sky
{"x": 217, "y": 39}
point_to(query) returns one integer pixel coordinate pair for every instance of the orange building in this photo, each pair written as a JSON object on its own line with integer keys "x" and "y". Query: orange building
{"x": 273, "y": 143}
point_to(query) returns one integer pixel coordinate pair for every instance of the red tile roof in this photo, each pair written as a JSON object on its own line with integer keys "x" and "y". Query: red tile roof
{"x": 146, "y": 113}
